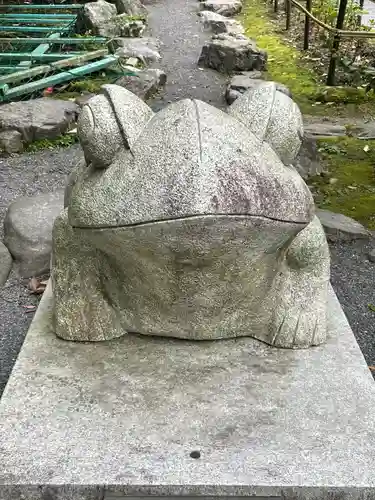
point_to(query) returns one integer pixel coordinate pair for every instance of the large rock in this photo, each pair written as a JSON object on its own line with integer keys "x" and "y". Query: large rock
{"x": 365, "y": 130}
{"x": 227, "y": 54}
{"x": 130, "y": 7}
{"x": 145, "y": 49}
{"x": 36, "y": 119}
{"x": 146, "y": 82}
{"x": 338, "y": 227}
{"x": 95, "y": 15}
{"x": 122, "y": 26}
{"x": 227, "y": 8}
{"x": 245, "y": 81}
{"x": 308, "y": 161}
{"x": 28, "y": 231}
{"x": 6, "y": 262}
{"x": 220, "y": 24}
{"x": 11, "y": 141}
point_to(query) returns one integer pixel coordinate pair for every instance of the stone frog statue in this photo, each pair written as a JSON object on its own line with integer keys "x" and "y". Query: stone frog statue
{"x": 190, "y": 223}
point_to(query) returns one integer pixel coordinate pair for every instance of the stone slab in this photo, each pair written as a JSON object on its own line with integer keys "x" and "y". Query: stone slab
{"x": 128, "y": 413}
{"x": 339, "y": 227}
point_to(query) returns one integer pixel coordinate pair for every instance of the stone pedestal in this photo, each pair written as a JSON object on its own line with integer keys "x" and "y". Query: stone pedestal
{"x": 123, "y": 418}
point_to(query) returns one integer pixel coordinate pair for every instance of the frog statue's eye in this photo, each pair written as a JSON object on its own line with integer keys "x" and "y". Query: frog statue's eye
{"x": 272, "y": 117}
{"x": 99, "y": 133}
{"x": 110, "y": 122}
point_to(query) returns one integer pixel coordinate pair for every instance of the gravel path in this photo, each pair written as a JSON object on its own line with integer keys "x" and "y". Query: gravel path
{"x": 353, "y": 278}
{"x": 177, "y": 26}
{"x": 25, "y": 175}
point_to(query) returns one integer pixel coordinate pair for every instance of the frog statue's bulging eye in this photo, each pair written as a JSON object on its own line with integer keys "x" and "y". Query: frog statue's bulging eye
{"x": 99, "y": 133}
{"x": 273, "y": 117}
{"x": 109, "y": 123}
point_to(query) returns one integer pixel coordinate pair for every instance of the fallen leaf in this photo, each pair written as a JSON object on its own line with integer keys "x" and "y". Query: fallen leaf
{"x": 29, "y": 309}
{"x": 366, "y": 149}
{"x": 371, "y": 307}
{"x": 372, "y": 368}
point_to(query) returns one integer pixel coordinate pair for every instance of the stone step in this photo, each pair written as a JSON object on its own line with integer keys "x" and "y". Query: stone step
{"x": 341, "y": 127}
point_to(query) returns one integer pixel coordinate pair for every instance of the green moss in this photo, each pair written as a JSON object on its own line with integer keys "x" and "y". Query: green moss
{"x": 286, "y": 65}
{"x": 65, "y": 96}
{"x": 62, "y": 141}
{"x": 92, "y": 85}
{"x": 349, "y": 187}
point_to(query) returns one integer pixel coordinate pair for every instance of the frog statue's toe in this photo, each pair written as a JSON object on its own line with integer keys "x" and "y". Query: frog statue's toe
{"x": 190, "y": 223}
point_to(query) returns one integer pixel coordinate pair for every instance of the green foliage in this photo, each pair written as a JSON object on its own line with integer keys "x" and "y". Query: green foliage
{"x": 286, "y": 65}
{"x": 62, "y": 141}
{"x": 283, "y": 60}
{"x": 92, "y": 85}
{"x": 359, "y": 72}
{"x": 89, "y": 46}
{"x": 350, "y": 162}
{"x": 327, "y": 10}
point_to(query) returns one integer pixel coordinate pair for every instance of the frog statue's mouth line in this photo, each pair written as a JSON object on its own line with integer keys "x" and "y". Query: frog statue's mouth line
{"x": 191, "y": 217}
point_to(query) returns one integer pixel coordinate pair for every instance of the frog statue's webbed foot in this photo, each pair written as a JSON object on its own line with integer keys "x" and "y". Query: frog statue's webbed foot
{"x": 299, "y": 297}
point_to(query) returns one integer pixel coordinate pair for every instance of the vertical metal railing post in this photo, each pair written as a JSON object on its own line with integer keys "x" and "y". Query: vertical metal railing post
{"x": 288, "y": 10}
{"x": 307, "y": 26}
{"x": 336, "y": 43}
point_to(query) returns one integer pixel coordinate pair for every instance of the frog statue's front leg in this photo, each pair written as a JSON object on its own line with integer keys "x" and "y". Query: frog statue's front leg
{"x": 81, "y": 311}
{"x": 298, "y": 300}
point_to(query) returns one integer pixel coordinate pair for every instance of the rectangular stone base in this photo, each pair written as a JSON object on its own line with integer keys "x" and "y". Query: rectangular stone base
{"x": 110, "y": 420}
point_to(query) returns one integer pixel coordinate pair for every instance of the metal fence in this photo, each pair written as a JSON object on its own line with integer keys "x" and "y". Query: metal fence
{"x": 337, "y": 33}
{"x": 39, "y": 48}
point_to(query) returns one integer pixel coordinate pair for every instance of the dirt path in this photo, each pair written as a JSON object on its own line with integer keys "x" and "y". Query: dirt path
{"x": 176, "y": 24}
